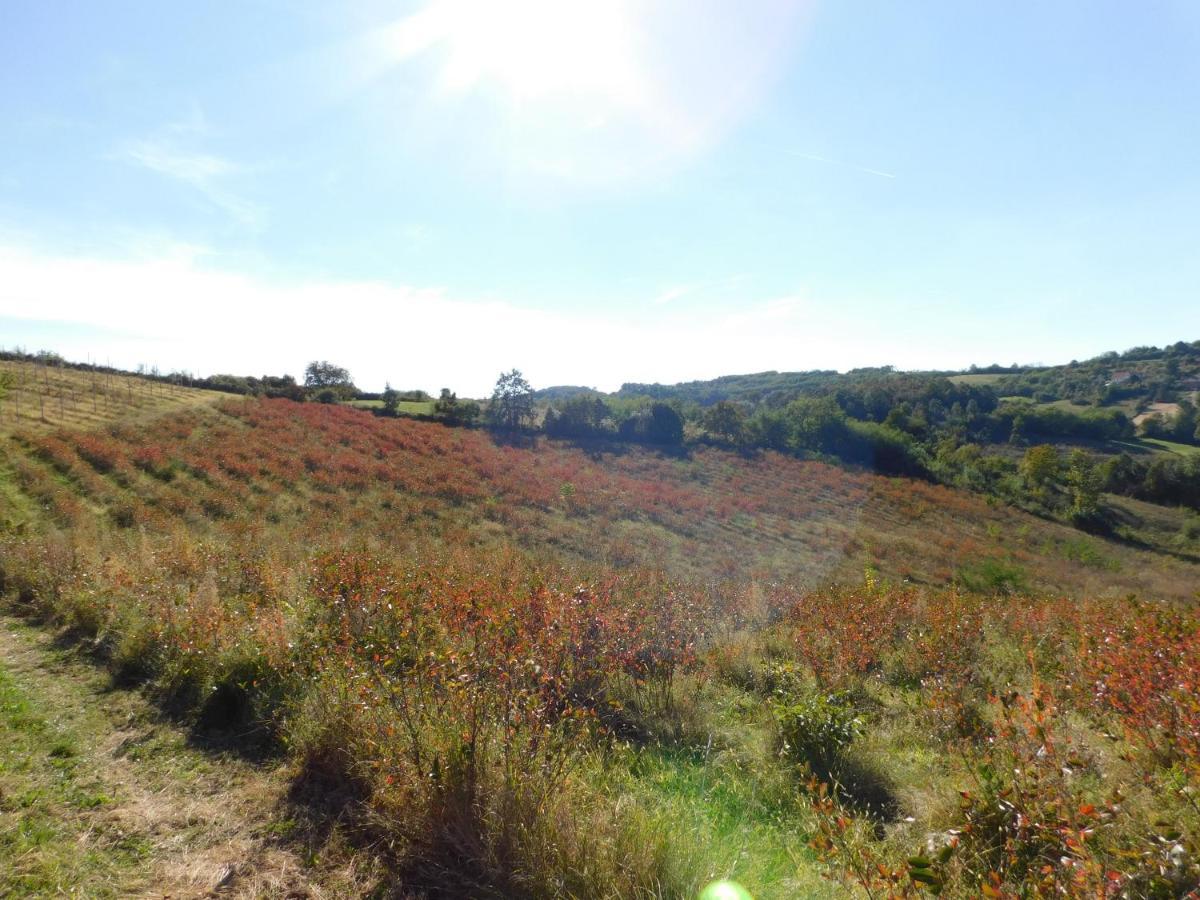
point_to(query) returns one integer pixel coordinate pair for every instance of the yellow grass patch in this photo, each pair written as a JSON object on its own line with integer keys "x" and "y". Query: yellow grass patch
{"x": 46, "y": 398}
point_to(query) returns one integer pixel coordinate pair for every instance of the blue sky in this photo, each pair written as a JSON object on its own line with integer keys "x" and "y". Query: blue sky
{"x": 597, "y": 192}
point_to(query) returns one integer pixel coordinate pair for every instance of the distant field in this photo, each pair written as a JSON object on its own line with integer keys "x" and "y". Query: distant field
{"x": 1066, "y": 404}
{"x": 1128, "y": 406}
{"x": 1170, "y": 446}
{"x": 44, "y": 398}
{"x": 979, "y": 379}
{"x": 409, "y": 407}
{"x": 1167, "y": 410}
{"x": 1147, "y": 445}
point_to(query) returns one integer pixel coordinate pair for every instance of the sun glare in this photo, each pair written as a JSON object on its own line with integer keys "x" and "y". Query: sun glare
{"x": 530, "y": 49}
{"x": 591, "y": 92}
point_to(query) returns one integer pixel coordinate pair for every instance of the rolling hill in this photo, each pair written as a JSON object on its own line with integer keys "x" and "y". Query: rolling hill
{"x": 538, "y": 667}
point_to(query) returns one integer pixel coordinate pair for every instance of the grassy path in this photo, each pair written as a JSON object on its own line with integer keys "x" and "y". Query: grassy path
{"x": 99, "y": 797}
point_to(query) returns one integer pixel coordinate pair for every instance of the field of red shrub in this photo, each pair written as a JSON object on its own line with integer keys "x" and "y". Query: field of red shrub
{"x": 472, "y": 632}
{"x": 317, "y": 469}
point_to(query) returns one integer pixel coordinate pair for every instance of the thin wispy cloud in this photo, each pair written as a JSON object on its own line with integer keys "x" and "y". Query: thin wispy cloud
{"x": 195, "y": 124}
{"x": 848, "y": 165}
{"x": 197, "y": 169}
{"x": 672, "y": 294}
{"x": 207, "y": 173}
{"x": 715, "y": 288}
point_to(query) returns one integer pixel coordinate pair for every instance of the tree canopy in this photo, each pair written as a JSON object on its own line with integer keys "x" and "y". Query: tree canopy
{"x": 658, "y": 423}
{"x": 322, "y": 373}
{"x": 454, "y": 411}
{"x": 725, "y": 419}
{"x": 391, "y": 399}
{"x": 328, "y": 382}
{"x": 581, "y": 415}
{"x": 511, "y": 405}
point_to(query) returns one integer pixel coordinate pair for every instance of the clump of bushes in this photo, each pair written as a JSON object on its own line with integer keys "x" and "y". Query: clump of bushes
{"x": 816, "y": 730}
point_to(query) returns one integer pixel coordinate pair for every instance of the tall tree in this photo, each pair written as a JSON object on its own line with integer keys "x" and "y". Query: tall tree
{"x": 322, "y": 373}
{"x": 658, "y": 423}
{"x": 328, "y": 382}
{"x": 455, "y": 411}
{"x": 391, "y": 399}
{"x": 1085, "y": 483}
{"x": 1040, "y": 466}
{"x": 726, "y": 420}
{"x": 582, "y": 415}
{"x": 511, "y": 406}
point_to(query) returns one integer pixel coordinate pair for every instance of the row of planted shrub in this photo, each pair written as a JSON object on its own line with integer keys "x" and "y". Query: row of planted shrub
{"x": 239, "y": 460}
{"x": 1074, "y": 725}
{"x": 453, "y": 691}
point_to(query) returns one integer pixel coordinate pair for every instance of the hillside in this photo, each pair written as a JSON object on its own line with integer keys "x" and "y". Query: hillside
{"x": 317, "y": 472}
{"x": 522, "y": 666}
{"x": 43, "y": 397}
{"x": 1141, "y": 374}
{"x": 1062, "y": 442}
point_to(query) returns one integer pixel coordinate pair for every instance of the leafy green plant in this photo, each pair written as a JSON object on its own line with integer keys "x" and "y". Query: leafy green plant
{"x": 992, "y": 576}
{"x": 816, "y": 730}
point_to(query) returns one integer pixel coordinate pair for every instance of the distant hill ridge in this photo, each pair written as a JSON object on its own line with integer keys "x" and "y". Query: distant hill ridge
{"x": 1138, "y": 371}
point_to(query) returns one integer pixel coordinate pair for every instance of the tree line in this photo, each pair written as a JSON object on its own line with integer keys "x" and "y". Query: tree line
{"x": 924, "y": 426}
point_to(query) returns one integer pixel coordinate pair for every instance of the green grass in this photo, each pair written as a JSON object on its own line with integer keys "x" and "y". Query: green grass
{"x": 404, "y": 407}
{"x": 722, "y": 822}
{"x": 720, "y": 795}
{"x": 992, "y": 576}
{"x": 1069, "y": 405}
{"x": 1088, "y": 551}
{"x": 100, "y": 797}
{"x": 48, "y": 801}
{"x": 1170, "y": 446}
{"x": 15, "y": 507}
{"x": 980, "y": 379}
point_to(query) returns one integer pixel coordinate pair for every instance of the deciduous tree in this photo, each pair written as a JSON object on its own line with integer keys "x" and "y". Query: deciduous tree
{"x": 1040, "y": 465}
{"x": 391, "y": 400}
{"x": 725, "y": 420}
{"x": 322, "y": 377}
{"x": 511, "y": 406}
{"x": 455, "y": 411}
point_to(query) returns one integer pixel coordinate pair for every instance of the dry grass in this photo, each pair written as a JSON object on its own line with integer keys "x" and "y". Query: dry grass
{"x": 45, "y": 398}
{"x": 1167, "y": 410}
{"x": 99, "y": 796}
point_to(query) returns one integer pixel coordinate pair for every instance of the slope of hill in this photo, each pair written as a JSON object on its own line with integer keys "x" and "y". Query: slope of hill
{"x": 756, "y": 388}
{"x": 537, "y": 669}
{"x": 1142, "y": 373}
{"x": 317, "y": 471}
{"x": 40, "y": 398}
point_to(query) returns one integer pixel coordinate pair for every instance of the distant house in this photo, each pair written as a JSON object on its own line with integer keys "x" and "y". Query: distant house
{"x": 1120, "y": 378}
